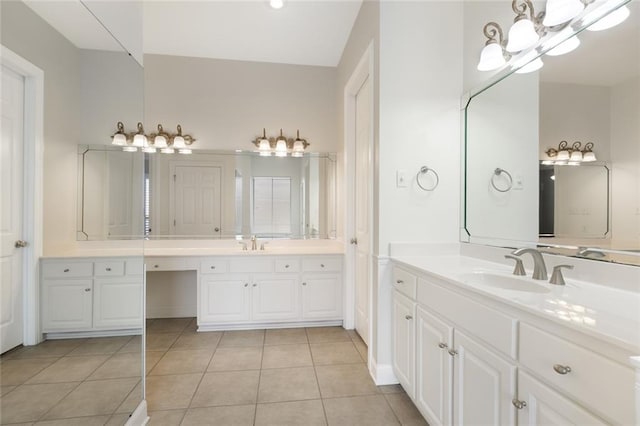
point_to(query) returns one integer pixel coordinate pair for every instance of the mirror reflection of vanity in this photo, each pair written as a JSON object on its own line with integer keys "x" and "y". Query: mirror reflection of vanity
{"x": 205, "y": 195}
{"x": 516, "y": 126}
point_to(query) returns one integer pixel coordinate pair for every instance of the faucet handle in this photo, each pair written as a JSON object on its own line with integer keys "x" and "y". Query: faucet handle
{"x": 263, "y": 244}
{"x": 556, "y": 275}
{"x": 244, "y": 245}
{"x": 519, "y": 267}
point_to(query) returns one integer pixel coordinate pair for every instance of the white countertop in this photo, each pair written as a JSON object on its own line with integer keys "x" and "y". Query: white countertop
{"x": 607, "y": 313}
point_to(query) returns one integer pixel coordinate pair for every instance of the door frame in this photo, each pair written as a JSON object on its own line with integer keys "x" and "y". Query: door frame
{"x": 33, "y": 188}
{"x": 363, "y": 71}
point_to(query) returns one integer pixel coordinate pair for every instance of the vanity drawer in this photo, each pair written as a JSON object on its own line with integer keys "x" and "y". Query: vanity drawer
{"x": 251, "y": 264}
{"x": 134, "y": 267}
{"x": 405, "y": 282}
{"x": 321, "y": 264}
{"x": 213, "y": 266}
{"x": 165, "y": 264}
{"x": 597, "y": 382}
{"x": 493, "y": 327}
{"x": 109, "y": 268}
{"x": 67, "y": 269}
{"x": 287, "y": 265}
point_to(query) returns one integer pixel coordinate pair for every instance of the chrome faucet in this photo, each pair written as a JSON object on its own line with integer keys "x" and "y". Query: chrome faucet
{"x": 539, "y": 268}
{"x": 586, "y": 252}
{"x": 254, "y": 243}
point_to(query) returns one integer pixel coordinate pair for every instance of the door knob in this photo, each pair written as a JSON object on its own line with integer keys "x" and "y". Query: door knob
{"x": 561, "y": 369}
{"x": 354, "y": 241}
{"x": 216, "y": 229}
{"x": 21, "y": 244}
{"x": 518, "y": 404}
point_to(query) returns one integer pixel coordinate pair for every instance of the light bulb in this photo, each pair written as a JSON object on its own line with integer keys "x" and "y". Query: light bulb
{"x": 491, "y": 57}
{"x": 276, "y": 4}
{"x": 566, "y": 46}
{"x": 522, "y": 35}
{"x": 611, "y": 20}
{"x": 532, "y": 66}
{"x": 560, "y": 11}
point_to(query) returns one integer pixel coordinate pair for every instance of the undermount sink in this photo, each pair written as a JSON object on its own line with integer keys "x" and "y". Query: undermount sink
{"x": 490, "y": 279}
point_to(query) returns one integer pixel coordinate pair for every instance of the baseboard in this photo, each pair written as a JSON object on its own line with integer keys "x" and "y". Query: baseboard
{"x": 382, "y": 374}
{"x": 139, "y": 417}
{"x": 83, "y": 334}
{"x": 254, "y": 326}
{"x": 187, "y": 311}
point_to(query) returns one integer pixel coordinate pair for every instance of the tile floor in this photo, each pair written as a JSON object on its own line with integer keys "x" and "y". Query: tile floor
{"x": 314, "y": 376}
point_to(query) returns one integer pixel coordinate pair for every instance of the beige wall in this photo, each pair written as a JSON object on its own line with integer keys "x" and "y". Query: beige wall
{"x": 225, "y": 104}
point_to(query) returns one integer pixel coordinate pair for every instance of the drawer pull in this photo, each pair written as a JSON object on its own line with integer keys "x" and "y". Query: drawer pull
{"x": 408, "y": 317}
{"x": 322, "y": 265}
{"x": 399, "y": 282}
{"x": 156, "y": 266}
{"x": 304, "y": 283}
{"x": 442, "y": 345}
{"x": 518, "y": 404}
{"x": 561, "y": 369}
{"x": 87, "y": 289}
{"x": 286, "y": 266}
{"x": 213, "y": 267}
{"x": 452, "y": 352}
{"x": 255, "y": 284}
{"x": 66, "y": 270}
{"x": 108, "y": 269}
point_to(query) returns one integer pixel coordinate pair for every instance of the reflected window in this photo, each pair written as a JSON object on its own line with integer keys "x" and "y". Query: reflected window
{"x": 272, "y": 206}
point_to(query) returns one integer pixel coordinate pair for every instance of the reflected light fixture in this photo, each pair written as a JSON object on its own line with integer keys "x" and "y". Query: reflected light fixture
{"x": 280, "y": 146}
{"x": 162, "y": 140}
{"x": 560, "y": 11}
{"x": 611, "y": 20}
{"x": 569, "y": 45}
{"x": 565, "y": 155}
{"x": 139, "y": 138}
{"x": 119, "y": 137}
{"x": 532, "y": 66}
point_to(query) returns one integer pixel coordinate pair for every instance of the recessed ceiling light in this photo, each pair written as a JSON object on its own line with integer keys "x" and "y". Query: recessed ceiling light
{"x": 276, "y": 4}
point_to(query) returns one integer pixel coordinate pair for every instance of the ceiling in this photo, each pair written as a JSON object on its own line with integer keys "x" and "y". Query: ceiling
{"x": 303, "y": 32}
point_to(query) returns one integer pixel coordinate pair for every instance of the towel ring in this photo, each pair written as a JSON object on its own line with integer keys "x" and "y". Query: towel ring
{"x": 423, "y": 171}
{"x": 497, "y": 172}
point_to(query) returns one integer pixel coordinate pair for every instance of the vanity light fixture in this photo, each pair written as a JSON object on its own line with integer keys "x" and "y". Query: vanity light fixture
{"x": 573, "y": 155}
{"x": 493, "y": 54}
{"x": 611, "y": 20}
{"x": 280, "y": 146}
{"x": 167, "y": 143}
{"x": 276, "y": 4}
{"x": 525, "y": 32}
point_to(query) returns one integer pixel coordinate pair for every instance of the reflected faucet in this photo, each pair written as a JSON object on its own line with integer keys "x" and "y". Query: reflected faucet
{"x": 254, "y": 243}
{"x": 539, "y": 268}
{"x": 586, "y": 252}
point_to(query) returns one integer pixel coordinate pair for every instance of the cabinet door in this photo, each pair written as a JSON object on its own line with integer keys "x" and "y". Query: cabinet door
{"x": 224, "y": 298}
{"x": 275, "y": 297}
{"x": 117, "y": 303}
{"x": 321, "y": 296}
{"x": 484, "y": 385}
{"x": 404, "y": 341}
{"x": 547, "y": 407}
{"x": 433, "y": 368}
{"x": 66, "y": 305}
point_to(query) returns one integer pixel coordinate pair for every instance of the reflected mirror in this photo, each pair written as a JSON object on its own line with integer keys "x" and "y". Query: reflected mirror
{"x": 520, "y": 188}
{"x": 208, "y": 194}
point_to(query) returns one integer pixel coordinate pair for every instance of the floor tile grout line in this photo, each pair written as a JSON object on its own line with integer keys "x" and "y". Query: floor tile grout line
{"x": 42, "y": 417}
{"x": 255, "y": 410}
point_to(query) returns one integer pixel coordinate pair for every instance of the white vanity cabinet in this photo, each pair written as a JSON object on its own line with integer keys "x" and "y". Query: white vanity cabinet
{"x": 249, "y": 291}
{"x": 90, "y": 295}
{"x": 477, "y": 362}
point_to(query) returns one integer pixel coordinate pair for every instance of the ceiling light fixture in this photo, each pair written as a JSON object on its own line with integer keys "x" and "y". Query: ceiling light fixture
{"x": 280, "y": 146}
{"x": 167, "y": 143}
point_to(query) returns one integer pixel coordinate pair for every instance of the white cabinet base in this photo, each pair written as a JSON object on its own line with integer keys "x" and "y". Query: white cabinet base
{"x": 265, "y": 325}
{"x": 84, "y": 334}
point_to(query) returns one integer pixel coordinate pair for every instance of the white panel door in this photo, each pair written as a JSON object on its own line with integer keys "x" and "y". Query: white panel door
{"x": 275, "y": 297}
{"x": 66, "y": 305}
{"x": 363, "y": 210}
{"x": 546, "y": 407}
{"x": 403, "y": 313}
{"x": 119, "y": 200}
{"x": 484, "y": 385}
{"x": 11, "y": 203}
{"x": 433, "y": 368}
{"x": 321, "y": 296}
{"x": 224, "y": 298}
{"x": 196, "y": 200}
{"x": 117, "y": 303}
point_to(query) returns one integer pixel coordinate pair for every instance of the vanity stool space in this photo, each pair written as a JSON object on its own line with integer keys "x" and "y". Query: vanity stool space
{"x": 99, "y": 296}
{"x": 467, "y": 358}
{"x": 262, "y": 291}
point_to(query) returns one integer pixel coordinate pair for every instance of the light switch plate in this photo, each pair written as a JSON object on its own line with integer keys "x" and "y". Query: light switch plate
{"x": 401, "y": 179}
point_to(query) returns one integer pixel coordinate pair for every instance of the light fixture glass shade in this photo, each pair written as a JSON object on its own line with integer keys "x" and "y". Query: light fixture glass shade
{"x": 560, "y": 11}
{"x": 167, "y": 150}
{"x": 139, "y": 140}
{"x": 281, "y": 146}
{"x": 491, "y": 57}
{"x": 119, "y": 139}
{"x": 264, "y": 145}
{"x": 160, "y": 141}
{"x": 563, "y": 155}
{"x": 149, "y": 149}
{"x": 588, "y": 156}
{"x": 276, "y": 4}
{"x": 178, "y": 142}
{"x": 532, "y": 66}
{"x": 129, "y": 149}
{"x": 522, "y": 35}
{"x": 185, "y": 151}
{"x": 576, "y": 156}
{"x": 566, "y": 46}
{"x": 298, "y": 146}
{"x": 611, "y": 20}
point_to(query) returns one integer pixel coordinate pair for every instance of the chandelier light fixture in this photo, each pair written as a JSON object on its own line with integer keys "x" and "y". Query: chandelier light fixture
{"x": 280, "y": 146}
{"x": 166, "y": 142}
{"x": 572, "y": 156}
{"x": 529, "y": 28}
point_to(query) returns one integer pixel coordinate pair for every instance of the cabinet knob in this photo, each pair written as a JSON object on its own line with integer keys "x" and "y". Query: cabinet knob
{"x": 442, "y": 345}
{"x": 452, "y": 352}
{"x": 322, "y": 265}
{"x": 286, "y": 266}
{"x": 408, "y": 317}
{"x": 255, "y": 284}
{"x": 66, "y": 270}
{"x": 562, "y": 369}
{"x": 87, "y": 289}
{"x": 246, "y": 284}
{"x": 108, "y": 269}
{"x": 518, "y": 404}
{"x": 304, "y": 283}
{"x": 399, "y": 282}
{"x": 156, "y": 266}
{"x": 213, "y": 267}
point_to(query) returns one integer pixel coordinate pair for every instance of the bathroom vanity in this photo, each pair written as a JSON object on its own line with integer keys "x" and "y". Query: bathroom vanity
{"x": 474, "y": 343}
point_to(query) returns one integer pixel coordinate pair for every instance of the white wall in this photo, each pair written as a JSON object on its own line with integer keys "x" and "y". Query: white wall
{"x": 225, "y": 104}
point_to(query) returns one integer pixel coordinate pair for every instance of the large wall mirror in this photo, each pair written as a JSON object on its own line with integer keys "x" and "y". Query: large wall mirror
{"x": 208, "y": 194}
{"x": 520, "y": 190}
